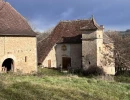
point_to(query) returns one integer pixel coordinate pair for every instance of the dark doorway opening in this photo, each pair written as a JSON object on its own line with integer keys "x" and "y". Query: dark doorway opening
{"x": 66, "y": 62}
{"x": 8, "y": 64}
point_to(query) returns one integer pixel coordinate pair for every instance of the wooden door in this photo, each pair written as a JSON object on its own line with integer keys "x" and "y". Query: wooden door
{"x": 49, "y": 63}
{"x": 66, "y": 62}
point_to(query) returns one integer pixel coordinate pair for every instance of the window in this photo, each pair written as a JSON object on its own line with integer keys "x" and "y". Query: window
{"x": 25, "y": 58}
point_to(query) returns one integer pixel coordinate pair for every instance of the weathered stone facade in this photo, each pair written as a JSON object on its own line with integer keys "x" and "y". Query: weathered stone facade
{"x": 18, "y": 44}
{"x": 108, "y": 61}
{"x": 19, "y": 49}
{"x": 95, "y": 53}
{"x": 57, "y": 53}
{"x": 80, "y": 44}
{"x": 89, "y": 49}
{"x": 51, "y": 57}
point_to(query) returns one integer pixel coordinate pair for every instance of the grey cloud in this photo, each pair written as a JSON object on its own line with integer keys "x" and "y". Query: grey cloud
{"x": 46, "y": 13}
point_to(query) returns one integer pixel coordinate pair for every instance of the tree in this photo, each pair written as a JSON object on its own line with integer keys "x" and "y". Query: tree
{"x": 122, "y": 50}
{"x": 44, "y": 35}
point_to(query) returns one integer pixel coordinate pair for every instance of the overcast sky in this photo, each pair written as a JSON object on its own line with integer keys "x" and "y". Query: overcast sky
{"x": 44, "y": 14}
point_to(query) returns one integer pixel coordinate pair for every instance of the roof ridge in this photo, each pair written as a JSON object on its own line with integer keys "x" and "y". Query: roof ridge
{"x": 51, "y": 32}
{"x": 74, "y": 20}
{"x": 94, "y": 22}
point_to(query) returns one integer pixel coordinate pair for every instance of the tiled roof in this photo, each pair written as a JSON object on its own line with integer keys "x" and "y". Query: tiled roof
{"x": 64, "y": 32}
{"x": 12, "y": 23}
{"x": 92, "y": 25}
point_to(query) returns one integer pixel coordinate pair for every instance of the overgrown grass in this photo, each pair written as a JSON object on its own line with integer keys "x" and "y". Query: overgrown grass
{"x": 123, "y": 76}
{"x": 49, "y": 72}
{"x": 53, "y": 85}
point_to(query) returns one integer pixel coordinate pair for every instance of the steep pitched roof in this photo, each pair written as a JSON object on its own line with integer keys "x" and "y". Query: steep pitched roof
{"x": 12, "y": 23}
{"x": 92, "y": 25}
{"x": 64, "y": 32}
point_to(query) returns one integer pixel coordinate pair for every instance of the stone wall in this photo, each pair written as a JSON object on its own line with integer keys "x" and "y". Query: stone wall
{"x": 62, "y": 53}
{"x": 55, "y": 56}
{"x": 108, "y": 60}
{"x": 95, "y": 53}
{"x": 19, "y": 49}
{"x": 89, "y": 49}
{"x": 73, "y": 51}
{"x": 76, "y": 56}
{"x": 99, "y": 47}
{"x": 90, "y": 53}
{"x": 52, "y": 57}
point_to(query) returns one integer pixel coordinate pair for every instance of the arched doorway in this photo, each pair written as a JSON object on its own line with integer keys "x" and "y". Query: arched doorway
{"x": 8, "y": 65}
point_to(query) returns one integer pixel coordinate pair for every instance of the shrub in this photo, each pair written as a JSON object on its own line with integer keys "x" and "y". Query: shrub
{"x": 93, "y": 70}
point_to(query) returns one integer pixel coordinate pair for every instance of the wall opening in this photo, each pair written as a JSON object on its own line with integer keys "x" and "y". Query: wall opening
{"x": 49, "y": 63}
{"x": 25, "y": 58}
{"x": 8, "y": 65}
{"x": 89, "y": 62}
{"x": 66, "y": 62}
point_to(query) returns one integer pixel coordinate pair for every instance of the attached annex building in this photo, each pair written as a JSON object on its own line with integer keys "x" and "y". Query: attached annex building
{"x": 18, "y": 48}
{"x": 77, "y": 44}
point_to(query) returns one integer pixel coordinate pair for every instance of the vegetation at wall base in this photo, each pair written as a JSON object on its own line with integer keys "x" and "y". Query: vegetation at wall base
{"x": 123, "y": 76}
{"x": 50, "y": 84}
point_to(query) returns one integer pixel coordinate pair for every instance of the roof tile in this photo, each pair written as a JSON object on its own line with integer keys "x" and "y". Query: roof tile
{"x": 64, "y": 32}
{"x": 12, "y": 23}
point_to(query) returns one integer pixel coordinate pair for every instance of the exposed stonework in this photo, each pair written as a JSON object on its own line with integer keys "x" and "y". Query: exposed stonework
{"x": 18, "y": 44}
{"x": 56, "y": 56}
{"x": 85, "y": 46}
{"x": 89, "y": 49}
{"x": 108, "y": 61}
{"x": 52, "y": 57}
{"x": 97, "y": 53}
{"x": 18, "y": 48}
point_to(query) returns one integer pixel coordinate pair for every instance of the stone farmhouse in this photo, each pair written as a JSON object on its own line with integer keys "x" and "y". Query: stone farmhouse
{"x": 75, "y": 44}
{"x": 79, "y": 44}
{"x": 18, "y": 43}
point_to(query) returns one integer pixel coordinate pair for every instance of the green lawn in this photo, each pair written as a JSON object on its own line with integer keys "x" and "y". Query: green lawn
{"x": 50, "y": 84}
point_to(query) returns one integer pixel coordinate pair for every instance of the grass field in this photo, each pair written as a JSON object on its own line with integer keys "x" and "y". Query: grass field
{"x": 50, "y": 84}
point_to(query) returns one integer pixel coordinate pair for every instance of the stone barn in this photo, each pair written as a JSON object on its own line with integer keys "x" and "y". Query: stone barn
{"x": 18, "y": 46}
{"x": 77, "y": 44}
